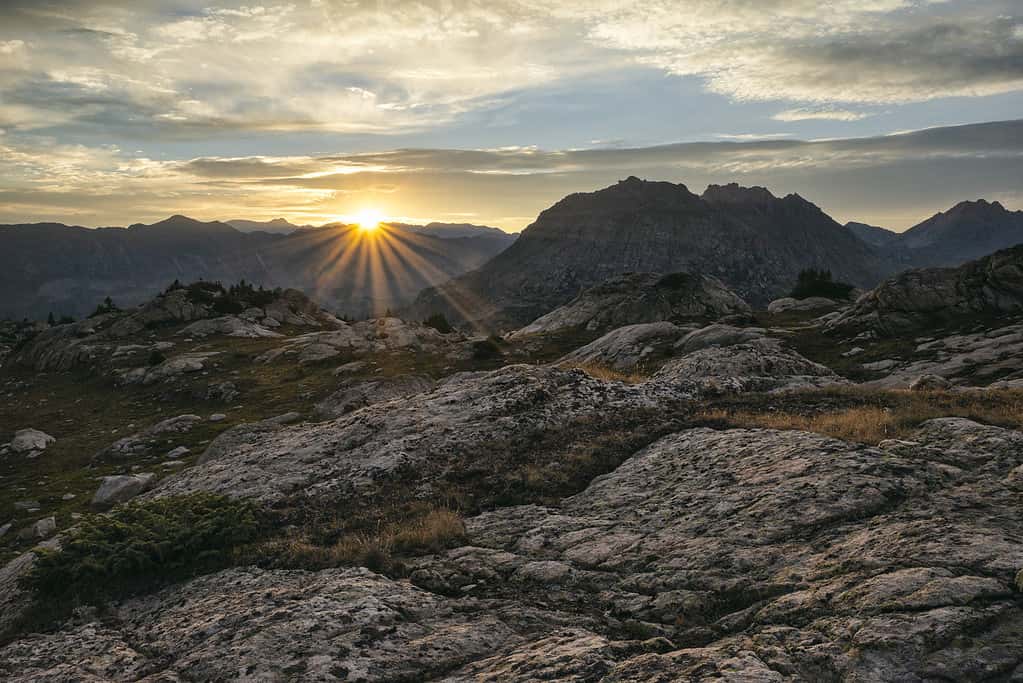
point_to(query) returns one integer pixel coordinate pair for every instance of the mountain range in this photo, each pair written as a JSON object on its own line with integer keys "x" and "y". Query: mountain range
{"x": 969, "y": 230}
{"x": 752, "y": 241}
{"x": 50, "y": 267}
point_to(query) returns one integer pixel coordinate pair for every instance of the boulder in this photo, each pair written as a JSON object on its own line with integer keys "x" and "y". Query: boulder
{"x": 27, "y": 440}
{"x": 120, "y": 488}
{"x": 40, "y": 529}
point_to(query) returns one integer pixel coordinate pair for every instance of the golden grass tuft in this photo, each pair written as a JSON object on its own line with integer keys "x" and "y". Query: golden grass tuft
{"x": 902, "y": 413}
{"x": 431, "y": 532}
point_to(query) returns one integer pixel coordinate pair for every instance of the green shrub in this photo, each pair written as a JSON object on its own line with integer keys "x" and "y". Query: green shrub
{"x": 438, "y": 322}
{"x": 108, "y": 306}
{"x": 142, "y": 546}
{"x": 812, "y": 282}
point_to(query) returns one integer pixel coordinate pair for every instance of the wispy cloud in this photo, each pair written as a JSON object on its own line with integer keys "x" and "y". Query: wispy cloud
{"x": 853, "y": 177}
{"x": 825, "y": 114}
{"x": 183, "y": 68}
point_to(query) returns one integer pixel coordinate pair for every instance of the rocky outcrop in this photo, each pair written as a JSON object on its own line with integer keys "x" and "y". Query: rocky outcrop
{"x": 100, "y": 342}
{"x": 919, "y": 300}
{"x": 379, "y": 335}
{"x": 339, "y": 624}
{"x": 359, "y": 393}
{"x": 776, "y": 556}
{"x": 813, "y": 303}
{"x": 454, "y": 426}
{"x": 229, "y": 326}
{"x": 630, "y": 347}
{"x": 967, "y": 359}
{"x": 733, "y": 555}
{"x": 641, "y": 298}
{"x": 760, "y": 365}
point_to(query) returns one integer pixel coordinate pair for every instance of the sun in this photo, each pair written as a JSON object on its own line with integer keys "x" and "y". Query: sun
{"x": 368, "y": 219}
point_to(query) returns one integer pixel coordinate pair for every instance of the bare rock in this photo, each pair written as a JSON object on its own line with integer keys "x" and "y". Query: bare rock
{"x": 27, "y": 440}
{"x": 757, "y": 552}
{"x": 812, "y": 303}
{"x": 426, "y": 433}
{"x": 629, "y": 347}
{"x": 369, "y": 336}
{"x": 718, "y": 335}
{"x": 761, "y": 365}
{"x": 176, "y": 366}
{"x": 40, "y": 529}
{"x": 641, "y": 298}
{"x": 355, "y": 394}
{"x": 120, "y": 488}
{"x": 141, "y": 442}
{"x": 338, "y": 624}
{"x": 918, "y": 299}
{"x": 228, "y": 326}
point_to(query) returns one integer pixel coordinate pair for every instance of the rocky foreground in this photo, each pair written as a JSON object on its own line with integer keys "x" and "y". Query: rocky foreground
{"x": 616, "y": 509}
{"x": 731, "y": 555}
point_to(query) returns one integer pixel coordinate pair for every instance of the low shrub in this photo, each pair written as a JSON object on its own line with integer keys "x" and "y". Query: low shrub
{"x": 142, "y": 546}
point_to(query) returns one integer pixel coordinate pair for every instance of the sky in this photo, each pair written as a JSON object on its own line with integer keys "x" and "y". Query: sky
{"x": 880, "y": 111}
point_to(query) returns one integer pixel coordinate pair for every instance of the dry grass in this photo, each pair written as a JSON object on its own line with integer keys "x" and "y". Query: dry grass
{"x": 431, "y": 532}
{"x": 895, "y": 416}
{"x": 608, "y": 374}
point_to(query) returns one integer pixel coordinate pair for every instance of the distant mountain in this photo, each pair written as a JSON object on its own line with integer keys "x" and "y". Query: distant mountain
{"x": 278, "y": 226}
{"x": 68, "y": 270}
{"x": 751, "y": 240}
{"x": 872, "y": 234}
{"x": 455, "y": 230}
{"x": 967, "y": 231}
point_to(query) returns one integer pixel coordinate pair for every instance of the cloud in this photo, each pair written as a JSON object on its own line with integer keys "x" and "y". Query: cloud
{"x": 183, "y": 68}
{"x": 826, "y": 114}
{"x": 893, "y": 180}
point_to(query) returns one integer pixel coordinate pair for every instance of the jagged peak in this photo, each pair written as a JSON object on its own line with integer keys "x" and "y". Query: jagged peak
{"x": 733, "y": 193}
{"x": 978, "y": 206}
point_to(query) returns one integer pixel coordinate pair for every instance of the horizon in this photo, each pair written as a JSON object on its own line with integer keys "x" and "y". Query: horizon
{"x": 113, "y": 113}
{"x": 406, "y": 221}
